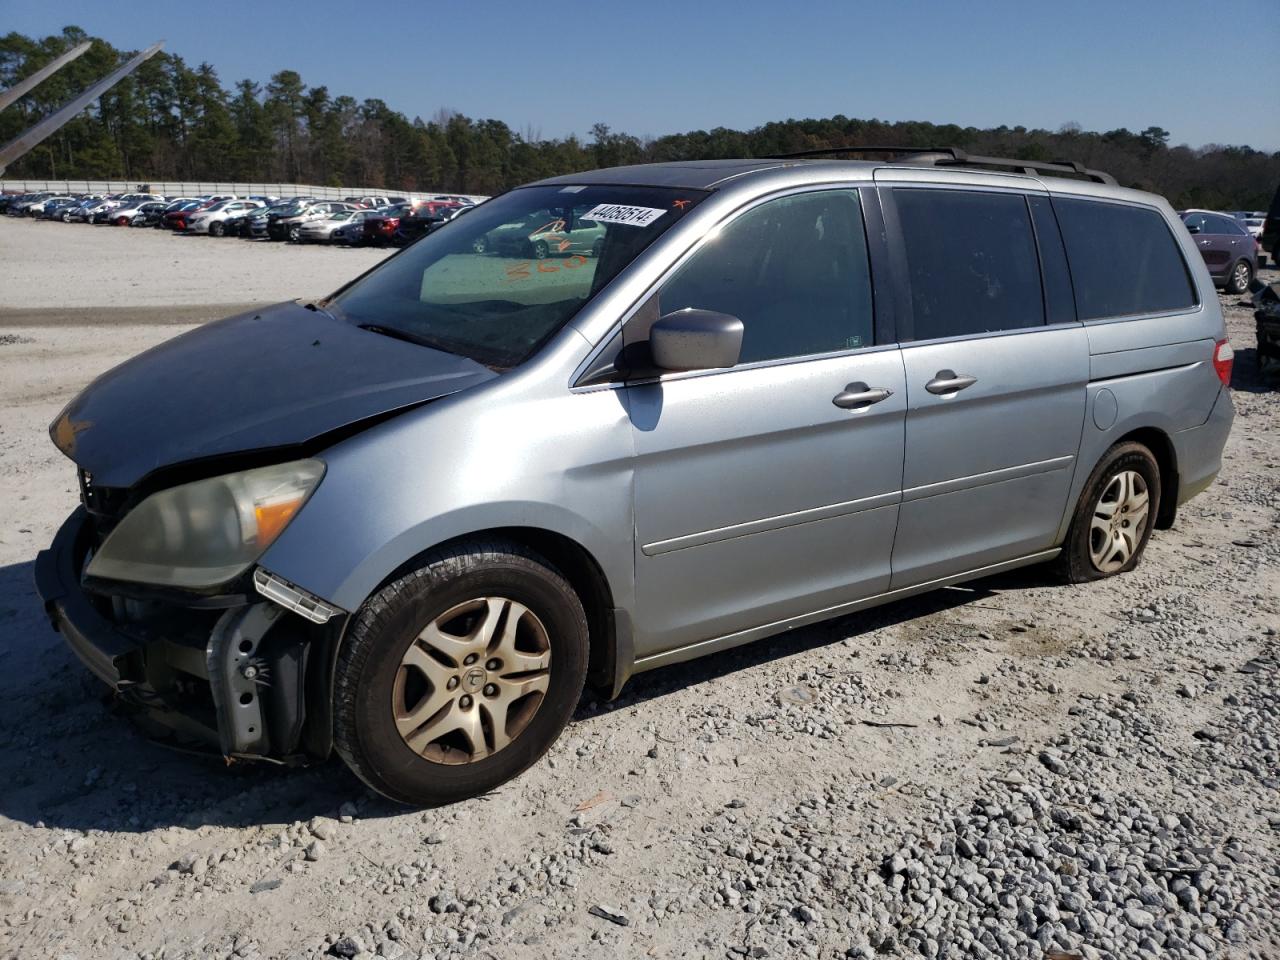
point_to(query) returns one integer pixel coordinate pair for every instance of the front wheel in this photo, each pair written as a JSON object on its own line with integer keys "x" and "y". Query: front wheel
{"x": 1240, "y": 277}
{"x": 294, "y": 234}
{"x": 540, "y": 250}
{"x": 216, "y": 229}
{"x": 458, "y": 676}
{"x": 1115, "y": 516}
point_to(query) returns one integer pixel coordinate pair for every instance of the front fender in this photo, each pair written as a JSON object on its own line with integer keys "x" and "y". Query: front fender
{"x": 494, "y": 456}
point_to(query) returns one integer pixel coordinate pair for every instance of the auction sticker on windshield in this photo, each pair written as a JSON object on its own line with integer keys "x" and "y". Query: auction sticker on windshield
{"x": 620, "y": 213}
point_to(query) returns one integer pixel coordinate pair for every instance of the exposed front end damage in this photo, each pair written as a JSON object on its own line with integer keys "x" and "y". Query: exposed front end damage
{"x": 233, "y": 673}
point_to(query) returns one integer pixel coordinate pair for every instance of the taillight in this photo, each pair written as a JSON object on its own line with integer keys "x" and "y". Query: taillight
{"x": 1223, "y": 358}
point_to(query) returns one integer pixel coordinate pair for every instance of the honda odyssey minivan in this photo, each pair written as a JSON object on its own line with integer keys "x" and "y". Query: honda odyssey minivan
{"x": 407, "y": 523}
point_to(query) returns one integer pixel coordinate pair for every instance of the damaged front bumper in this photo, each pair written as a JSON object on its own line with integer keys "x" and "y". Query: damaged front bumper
{"x": 235, "y": 673}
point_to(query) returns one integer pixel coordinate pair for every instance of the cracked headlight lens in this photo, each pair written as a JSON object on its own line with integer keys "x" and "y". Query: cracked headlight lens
{"x": 203, "y": 534}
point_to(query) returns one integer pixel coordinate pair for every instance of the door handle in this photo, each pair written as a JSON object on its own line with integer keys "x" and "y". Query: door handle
{"x": 948, "y": 381}
{"x": 859, "y": 395}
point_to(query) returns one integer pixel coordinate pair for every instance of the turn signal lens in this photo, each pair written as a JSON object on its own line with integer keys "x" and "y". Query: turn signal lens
{"x": 1223, "y": 358}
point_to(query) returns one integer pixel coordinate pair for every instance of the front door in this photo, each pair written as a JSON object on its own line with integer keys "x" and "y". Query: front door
{"x": 770, "y": 490}
{"x": 996, "y": 370}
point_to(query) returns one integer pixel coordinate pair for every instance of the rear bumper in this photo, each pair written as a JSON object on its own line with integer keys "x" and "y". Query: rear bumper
{"x": 1199, "y": 450}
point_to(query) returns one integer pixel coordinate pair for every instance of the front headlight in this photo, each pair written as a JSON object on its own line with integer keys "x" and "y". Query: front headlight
{"x": 203, "y": 534}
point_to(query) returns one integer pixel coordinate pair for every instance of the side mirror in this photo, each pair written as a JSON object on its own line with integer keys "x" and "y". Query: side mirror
{"x": 694, "y": 339}
{"x": 1192, "y": 228}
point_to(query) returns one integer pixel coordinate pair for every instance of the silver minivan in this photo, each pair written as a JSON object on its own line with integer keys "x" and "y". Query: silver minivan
{"x": 410, "y": 521}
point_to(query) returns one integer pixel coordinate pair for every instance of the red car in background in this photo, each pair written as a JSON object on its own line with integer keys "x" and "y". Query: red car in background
{"x": 382, "y": 226}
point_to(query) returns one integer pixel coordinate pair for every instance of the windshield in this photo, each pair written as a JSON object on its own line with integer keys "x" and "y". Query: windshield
{"x": 490, "y": 290}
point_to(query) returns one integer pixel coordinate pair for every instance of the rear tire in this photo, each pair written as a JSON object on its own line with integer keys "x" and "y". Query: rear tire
{"x": 1240, "y": 277}
{"x": 1109, "y": 531}
{"x": 382, "y": 658}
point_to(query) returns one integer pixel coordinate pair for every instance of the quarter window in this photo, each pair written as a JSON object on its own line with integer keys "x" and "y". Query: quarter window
{"x": 971, "y": 260}
{"x": 793, "y": 270}
{"x": 1124, "y": 261}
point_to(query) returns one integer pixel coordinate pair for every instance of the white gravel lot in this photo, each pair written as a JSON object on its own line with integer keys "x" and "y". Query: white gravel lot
{"x": 1066, "y": 771}
{"x": 54, "y": 266}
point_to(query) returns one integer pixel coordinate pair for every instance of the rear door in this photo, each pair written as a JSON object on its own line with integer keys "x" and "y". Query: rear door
{"x": 762, "y": 492}
{"x": 996, "y": 368}
{"x": 1212, "y": 241}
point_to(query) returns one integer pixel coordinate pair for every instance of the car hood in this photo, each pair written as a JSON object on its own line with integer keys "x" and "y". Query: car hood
{"x": 280, "y": 377}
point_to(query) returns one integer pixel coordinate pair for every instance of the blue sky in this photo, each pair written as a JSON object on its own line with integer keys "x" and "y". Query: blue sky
{"x": 1206, "y": 72}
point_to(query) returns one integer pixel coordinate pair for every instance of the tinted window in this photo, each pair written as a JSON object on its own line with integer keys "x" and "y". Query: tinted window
{"x": 1225, "y": 225}
{"x": 793, "y": 270}
{"x": 971, "y": 258}
{"x": 1123, "y": 260}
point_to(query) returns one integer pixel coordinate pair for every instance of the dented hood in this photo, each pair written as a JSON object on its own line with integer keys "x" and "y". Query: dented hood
{"x": 279, "y": 377}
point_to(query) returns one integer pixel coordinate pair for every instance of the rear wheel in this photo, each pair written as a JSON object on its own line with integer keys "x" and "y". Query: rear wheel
{"x": 1240, "y": 277}
{"x": 1115, "y": 515}
{"x": 458, "y": 676}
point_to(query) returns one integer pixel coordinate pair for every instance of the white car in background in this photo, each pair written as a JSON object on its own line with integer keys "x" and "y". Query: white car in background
{"x": 211, "y": 219}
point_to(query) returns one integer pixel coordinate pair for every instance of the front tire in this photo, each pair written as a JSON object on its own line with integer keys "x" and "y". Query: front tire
{"x": 1240, "y": 277}
{"x": 1115, "y": 516}
{"x": 458, "y": 676}
{"x": 216, "y": 229}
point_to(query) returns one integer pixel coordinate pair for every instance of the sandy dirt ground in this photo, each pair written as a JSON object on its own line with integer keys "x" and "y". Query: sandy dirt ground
{"x": 73, "y": 272}
{"x": 775, "y": 801}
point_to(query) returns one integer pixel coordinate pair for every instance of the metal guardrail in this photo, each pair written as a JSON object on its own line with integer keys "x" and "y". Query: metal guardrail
{"x": 192, "y": 188}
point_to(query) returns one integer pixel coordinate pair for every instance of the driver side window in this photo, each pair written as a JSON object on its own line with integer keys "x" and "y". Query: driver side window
{"x": 793, "y": 270}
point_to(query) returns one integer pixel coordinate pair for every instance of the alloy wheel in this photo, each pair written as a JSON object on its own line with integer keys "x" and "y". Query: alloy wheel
{"x": 1119, "y": 521}
{"x": 1241, "y": 278}
{"x": 472, "y": 680}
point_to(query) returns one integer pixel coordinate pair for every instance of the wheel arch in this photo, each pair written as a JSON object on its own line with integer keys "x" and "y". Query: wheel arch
{"x": 1161, "y": 447}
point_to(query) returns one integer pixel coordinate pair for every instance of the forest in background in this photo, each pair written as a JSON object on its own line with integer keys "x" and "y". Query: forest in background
{"x": 170, "y": 121}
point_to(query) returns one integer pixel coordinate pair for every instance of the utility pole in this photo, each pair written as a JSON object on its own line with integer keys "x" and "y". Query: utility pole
{"x": 19, "y": 146}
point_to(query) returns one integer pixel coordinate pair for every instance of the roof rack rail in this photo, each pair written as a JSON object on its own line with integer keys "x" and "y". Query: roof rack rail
{"x": 955, "y": 157}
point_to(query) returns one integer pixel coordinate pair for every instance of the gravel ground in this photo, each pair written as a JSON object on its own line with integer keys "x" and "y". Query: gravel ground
{"x": 121, "y": 275}
{"x": 1013, "y": 768}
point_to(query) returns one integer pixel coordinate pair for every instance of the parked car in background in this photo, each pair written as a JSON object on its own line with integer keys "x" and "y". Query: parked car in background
{"x": 320, "y": 230}
{"x": 1226, "y": 247}
{"x": 422, "y": 218}
{"x": 176, "y": 215}
{"x": 285, "y": 210}
{"x": 290, "y": 227}
{"x": 36, "y": 208}
{"x": 135, "y": 214}
{"x": 210, "y": 220}
{"x": 56, "y": 206}
{"x": 150, "y": 214}
{"x": 371, "y": 202}
{"x": 351, "y": 232}
{"x": 1251, "y": 220}
{"x": 381, "y": 228}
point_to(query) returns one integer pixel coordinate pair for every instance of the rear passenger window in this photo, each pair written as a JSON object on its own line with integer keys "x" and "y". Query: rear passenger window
{"x": 793, "y": 270}
{"x": 1124, "y": 261}
{"x": 971, "y": 259}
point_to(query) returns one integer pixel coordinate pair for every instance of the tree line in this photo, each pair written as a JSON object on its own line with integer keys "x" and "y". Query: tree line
{"x": 170, "y": 121}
